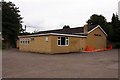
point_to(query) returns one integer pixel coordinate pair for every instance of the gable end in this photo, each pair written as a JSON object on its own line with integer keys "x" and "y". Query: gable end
{"x": 100, "y": 29}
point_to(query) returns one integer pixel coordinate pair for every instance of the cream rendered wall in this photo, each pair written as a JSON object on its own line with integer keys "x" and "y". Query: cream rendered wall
{"x": 98, "y": 42}
{"x": 76, "y": 44}
{"x": 38, "y": 45}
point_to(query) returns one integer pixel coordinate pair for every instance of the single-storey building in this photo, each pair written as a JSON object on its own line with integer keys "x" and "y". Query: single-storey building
{"x": 64, "y": 40}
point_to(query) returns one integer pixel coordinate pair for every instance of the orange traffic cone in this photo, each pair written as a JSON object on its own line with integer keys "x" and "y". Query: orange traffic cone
{"x": 89, "y": 48}
{"x": 110, "y": 47}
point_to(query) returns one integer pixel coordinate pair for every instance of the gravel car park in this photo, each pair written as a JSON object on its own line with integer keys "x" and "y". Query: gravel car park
{"x": 17, "y": 64}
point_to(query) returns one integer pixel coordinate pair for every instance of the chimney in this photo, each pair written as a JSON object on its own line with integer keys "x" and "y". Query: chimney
{"x": 86, "y": 28}
{"x": 66, "y": 27}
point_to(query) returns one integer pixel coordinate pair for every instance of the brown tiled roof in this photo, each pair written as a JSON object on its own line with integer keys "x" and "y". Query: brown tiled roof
{"x": 64, "y": 31}
{"x": 68, "y": 30}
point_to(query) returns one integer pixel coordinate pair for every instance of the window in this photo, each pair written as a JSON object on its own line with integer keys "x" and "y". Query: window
{"x": 59, "y": 41}
{"x": 28, "y": 42}
{"x": 63, "y": 41}
{"x": 46, "y": 39}
{"x": 25, "y": 41}
{"x": 21, "y": 42}
{"x": 66, "y": 40}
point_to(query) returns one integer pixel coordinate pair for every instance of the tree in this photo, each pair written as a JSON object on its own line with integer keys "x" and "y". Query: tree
{"x": 98, "y": 20}
{"x": 115, "y": 21}
{"x": 11, "y": 23}
{"x": 101, "y": 20}
{"x": 116, "y": 27}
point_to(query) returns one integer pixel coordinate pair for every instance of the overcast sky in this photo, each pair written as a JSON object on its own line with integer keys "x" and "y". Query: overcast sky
{"x": 54, "y": 14}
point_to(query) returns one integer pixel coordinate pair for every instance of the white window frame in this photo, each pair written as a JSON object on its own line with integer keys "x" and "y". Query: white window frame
{"x": 66, "y": 40}
{"x": 21, "y": 41}
{"x": 46, "y": 38}
{"x": 24, "y": 41}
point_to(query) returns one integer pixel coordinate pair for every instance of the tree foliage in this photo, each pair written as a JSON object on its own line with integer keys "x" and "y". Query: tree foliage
{"x": 11, "y": 23}
{"x": 115, "y": 23}
{"x": 98, "y": 20}
{"x": 107, "y": 26}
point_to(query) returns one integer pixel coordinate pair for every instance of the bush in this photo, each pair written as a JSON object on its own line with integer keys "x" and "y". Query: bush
{"x": 3, "y": 46}
{"x": 117, "y": 45}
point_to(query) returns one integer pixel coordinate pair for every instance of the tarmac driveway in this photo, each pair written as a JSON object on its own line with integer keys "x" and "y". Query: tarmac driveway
{"x": 18, "y": 64}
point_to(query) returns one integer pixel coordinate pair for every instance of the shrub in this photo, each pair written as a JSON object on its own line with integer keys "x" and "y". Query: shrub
{"x": 117, "y": 45}
{"x": 3, "y": 46}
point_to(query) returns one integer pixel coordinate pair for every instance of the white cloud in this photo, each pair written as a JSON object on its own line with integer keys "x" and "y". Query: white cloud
{"x": 53, "y": 14}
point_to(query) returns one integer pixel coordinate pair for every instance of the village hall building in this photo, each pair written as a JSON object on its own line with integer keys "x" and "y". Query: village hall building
{"x": 64, "y": 40}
